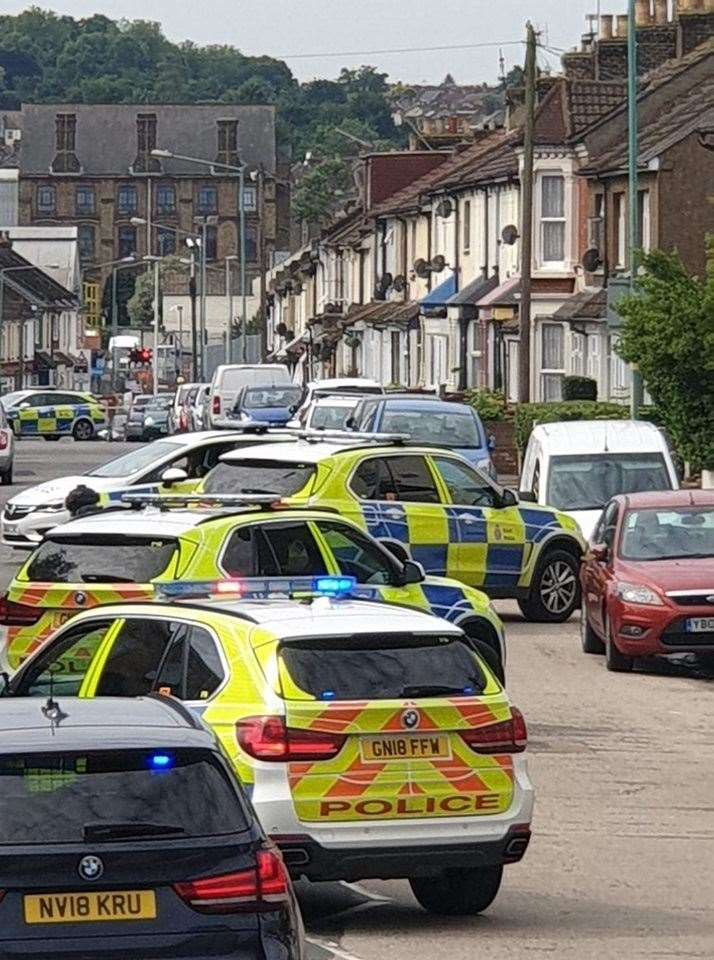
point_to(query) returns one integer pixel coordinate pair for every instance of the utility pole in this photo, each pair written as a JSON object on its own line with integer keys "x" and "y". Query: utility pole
{"x": 524, "y": 347}
{"x": 157, "y": 298}
{"x": 262, "y": 262}
{"x": 637, "y": 390}
{"x": 192, "y": 295}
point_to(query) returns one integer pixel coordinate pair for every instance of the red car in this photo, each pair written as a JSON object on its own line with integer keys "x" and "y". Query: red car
{"x": 648, "y": 578}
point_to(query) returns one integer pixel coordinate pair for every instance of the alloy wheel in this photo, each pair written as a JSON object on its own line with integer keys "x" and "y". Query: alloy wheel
{"x": 558, "y": 587}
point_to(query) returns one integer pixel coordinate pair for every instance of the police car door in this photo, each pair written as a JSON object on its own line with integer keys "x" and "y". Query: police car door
{"x": 400, "y": 501}
{"x": 35, "y": 415}
{"x": 486, "y": 541}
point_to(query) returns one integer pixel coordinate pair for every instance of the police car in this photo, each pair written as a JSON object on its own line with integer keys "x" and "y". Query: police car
{"x": 172, "y": 463}
{"x": 54, "y": 413}
{"x": 126, "y": 555}
{"x": 455, "y": 521}
{"x": 374, "y": 740}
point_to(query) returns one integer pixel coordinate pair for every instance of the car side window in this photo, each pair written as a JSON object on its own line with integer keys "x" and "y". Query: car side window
{"x": 289, "y": 550}
{"x": 466, "y": 487}
{"x": 39, "y": 400}
{"x": 610, "y": 526}
{"x": 366, "y": 417}
{"x": 204, "y": 669}
{"x": 61, "y": 668}
{"x": 355, "y": 554}
{"x": 67, "y": 400}
{"x": 180, "y": 463}
{"x": 132, "y": 666}
{"x": 240, "y": 553}
{"x": 412, "y": 480}
{"x": 372, "y": 480}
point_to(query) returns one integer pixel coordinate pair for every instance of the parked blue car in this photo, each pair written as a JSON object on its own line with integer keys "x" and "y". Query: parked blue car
{"x": 272, "y": 405}
{"x": 429, "y": 421}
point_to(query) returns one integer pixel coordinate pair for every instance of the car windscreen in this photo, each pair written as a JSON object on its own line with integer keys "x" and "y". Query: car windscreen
{"x": 589, "y": 481}
{"x": 380, "y": 668}
{"x": 266, "y": 397}
{"x": 258, "y": 476}
{"x": 106, "y": 559}
{"x": 237, "y": 377}
{"x": 137, "y": 460}
{"x": 160, "y": 403}
{"x": 73, "y": 797}
{"x": 325, "y": 417}
{"x": 685, "y": 533}
{"x": 458, "y": 430}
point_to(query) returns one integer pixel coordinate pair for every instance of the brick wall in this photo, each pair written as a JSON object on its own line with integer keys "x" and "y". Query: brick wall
{"x": 686, "y": 180}
{"x": 579, "y": 66}
{"x": 694, "y": 28}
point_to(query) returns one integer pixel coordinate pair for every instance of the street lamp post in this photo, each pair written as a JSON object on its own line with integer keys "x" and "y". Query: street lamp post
{"x": 232, "y": 168}
{"x": 117, "y": 265}
{"x": 155, "y": 352}
{"x": 229, "y": 295}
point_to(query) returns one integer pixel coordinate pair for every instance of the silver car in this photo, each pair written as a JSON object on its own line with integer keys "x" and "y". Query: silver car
{"x": 7, "y": 449}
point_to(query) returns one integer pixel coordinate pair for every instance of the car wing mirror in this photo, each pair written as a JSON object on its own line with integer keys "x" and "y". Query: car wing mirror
{"x": 600, "y": 552}
{"x": 491, "y": 443}
{"x": 173, "y": 475}
{"x": 397, "y": 550}
{"x": 412, "y": 572}
{"x": 509, "y": 499}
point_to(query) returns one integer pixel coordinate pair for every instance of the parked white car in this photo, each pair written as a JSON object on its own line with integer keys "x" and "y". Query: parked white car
{"x": 579, "y": 466}
{"x": 342, "y": 386}
{"x": 230, "y": 378}
{"x": 330, "y": 413}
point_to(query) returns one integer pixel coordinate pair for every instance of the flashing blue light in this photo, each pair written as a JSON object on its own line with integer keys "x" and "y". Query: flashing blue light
{"x": 334, "y": 586}
{"x": 161, "y": 761}
{"x": 468, "y": 691}
{"x": 327, "y": 695}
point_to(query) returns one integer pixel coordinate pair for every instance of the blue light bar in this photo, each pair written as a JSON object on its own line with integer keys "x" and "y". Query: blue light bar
{"x": 334, "y": 586}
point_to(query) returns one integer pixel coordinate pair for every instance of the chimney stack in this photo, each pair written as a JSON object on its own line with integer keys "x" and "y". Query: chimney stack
{"x": 606, "y": 26}
{"x": 661, "y": 12}
{"x": 643, "y": 16}
{"x": 622, "y": 21}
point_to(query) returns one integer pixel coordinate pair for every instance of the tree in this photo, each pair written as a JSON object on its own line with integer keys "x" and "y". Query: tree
{"x": 669, "y": 333}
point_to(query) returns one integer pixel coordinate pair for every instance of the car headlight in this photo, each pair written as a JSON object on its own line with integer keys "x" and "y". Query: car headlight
{"x": 148, "y": 421}
{"x": 638, "y": 593}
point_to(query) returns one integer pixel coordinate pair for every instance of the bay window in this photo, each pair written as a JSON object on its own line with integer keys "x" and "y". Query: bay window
{"x": 552, "y": 226}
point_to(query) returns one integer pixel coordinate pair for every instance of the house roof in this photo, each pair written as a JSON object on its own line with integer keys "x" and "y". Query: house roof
{"x": 589, "y": 304}
{"x": 474, "y": 291}
{"x": 32, "y": 283}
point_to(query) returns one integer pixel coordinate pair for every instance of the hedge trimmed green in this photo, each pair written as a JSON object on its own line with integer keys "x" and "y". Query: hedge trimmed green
{"x": 529, "y": 415}
{"x": 490, "y": 405}
{"x": 579, "y": 388}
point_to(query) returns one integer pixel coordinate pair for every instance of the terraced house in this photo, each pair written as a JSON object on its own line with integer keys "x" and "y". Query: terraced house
{"x": 419, "y": 284}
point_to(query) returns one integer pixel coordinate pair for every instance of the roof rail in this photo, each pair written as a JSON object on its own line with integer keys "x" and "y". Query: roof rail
{"x": 178, "y": 707}
{"x": 168, "y": 500}
{"x": 343, "y": 436}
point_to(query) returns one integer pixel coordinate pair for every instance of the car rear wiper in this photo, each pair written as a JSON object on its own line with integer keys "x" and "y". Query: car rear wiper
{"x": 104, "y": 578}
{"x": 119, "y": 831}
{"x": 436, "y": 690}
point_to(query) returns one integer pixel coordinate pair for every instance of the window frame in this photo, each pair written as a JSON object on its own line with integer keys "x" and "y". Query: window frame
{"x": 89, "y": 209}
{"x": 385, "y": 458}
{"x": 550, "y": 371}
{"x": 131, "y": 209}
{"x": 259, "y": 529}
{"x": 125, "y": 228}
{"x": 87, "y": 227}
{"x": 392, "y": 564}
{"x": 203, "y": 208}
{"x": 467, "y": 227}
{"x": 544, "y": 219}
{"x": 250, "y": 198}
{"x": 162, "y": 208}
{"x": 486, "y": 482}
{"x": 28, "y": 669}
{"x": 619, "y": 219}
{"x": 46, "y": 209}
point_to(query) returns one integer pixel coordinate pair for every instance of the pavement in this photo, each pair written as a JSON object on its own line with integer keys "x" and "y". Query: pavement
{"x": 622, "y": 858}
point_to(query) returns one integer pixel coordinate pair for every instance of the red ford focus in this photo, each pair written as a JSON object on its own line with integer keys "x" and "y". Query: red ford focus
{"x": 648, "y": 577}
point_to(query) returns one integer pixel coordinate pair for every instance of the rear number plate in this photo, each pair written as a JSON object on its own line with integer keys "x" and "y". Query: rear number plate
{"x": 700, "y": 625}
{"x": 90, "y": 907}
{"x": 426, "y": 747}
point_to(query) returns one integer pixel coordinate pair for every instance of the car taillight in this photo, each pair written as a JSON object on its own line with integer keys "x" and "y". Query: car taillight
{"x": 216, "y": 406}
{"x": 267, "y": 738}
{"x": 4, "y": 439}
{"x": 509, "y": 736}
{"x": 18, "y": 614}
{"x": 257, "y": 889}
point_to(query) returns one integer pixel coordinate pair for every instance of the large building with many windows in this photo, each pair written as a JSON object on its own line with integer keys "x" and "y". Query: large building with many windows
{"x": 91, "y": 165}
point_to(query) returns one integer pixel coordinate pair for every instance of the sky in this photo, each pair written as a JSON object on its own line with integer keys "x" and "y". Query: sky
{"x": 306, "y": 33}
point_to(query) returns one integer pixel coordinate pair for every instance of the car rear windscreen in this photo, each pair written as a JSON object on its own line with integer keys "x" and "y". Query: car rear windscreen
{"x": 258, "y": 476}
{"x": 101, "y": 559}
{"x": 381, "y": 668}
{"x": 589, "y": 481}
{"x": 127, "y": 795}
{"x": 455, "y": 430}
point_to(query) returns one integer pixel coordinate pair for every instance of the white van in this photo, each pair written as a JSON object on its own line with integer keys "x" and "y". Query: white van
{"x": 230, "y": 378}
{"x": 578, "y": 466}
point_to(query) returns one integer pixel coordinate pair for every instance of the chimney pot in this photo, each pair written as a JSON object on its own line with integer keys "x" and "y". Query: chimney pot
{"x": 622, "y": 21}
{"x": 642, "y": 13}
{"x": 606, "y": 26}
{"x": 661, "y": 12}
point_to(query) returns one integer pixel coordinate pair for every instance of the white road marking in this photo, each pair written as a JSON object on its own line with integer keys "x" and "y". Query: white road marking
{"x": 333, "y": 948}
{"x": 367, "y": 894}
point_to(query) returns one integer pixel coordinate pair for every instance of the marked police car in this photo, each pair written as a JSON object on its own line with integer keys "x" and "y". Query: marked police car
{"x": 170, "y": 462}
{"x": 54, "y": 413}
{"x": 455, "y": 521}
{"x": 374, "y": 740}
{"x": 117, "y": 555}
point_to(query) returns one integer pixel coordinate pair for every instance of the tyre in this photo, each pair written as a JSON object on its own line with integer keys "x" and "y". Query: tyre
{"x": 590, "y": 641}
{"x": 52, "y": 439}
{"x": 83, "y": 430}
{"x": 614, "y": 660}
{"x": 457, "y": 893}
{"x": 6, "y": 477}
{"x": 555, "y": 590}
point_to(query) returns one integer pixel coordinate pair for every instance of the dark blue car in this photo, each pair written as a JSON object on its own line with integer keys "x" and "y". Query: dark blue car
{"x": 429, "y": 421}
{"x": 271, "y": 405}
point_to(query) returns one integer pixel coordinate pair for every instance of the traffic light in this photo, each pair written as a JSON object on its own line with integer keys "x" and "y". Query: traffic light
{"x": 140, "y": 357}
{"x": 146, "y": 356}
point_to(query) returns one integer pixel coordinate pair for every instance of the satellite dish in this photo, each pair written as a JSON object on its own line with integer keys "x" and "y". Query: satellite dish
{"x": 438, "y": 263}
{"x": 422, "y": 268}
{"x": 400, "y": 282}
{"x": 444, "y": 209}
{"x": 591, "y": 260}
{"x": 281, "y": 330}
{"x": 509, "y": 235}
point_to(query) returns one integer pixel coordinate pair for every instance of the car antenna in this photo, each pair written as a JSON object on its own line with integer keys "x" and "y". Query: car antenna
{"x": 52, "y": 709}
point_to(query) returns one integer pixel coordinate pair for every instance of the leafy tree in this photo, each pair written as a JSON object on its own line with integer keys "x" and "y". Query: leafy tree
{"x": 669, "y": 333}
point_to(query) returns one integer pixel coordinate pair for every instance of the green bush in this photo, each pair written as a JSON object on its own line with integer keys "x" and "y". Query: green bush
{"x": 528, "y": 415}
{"x": 488, "y": 404}
{"x": 579, "y": 388}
